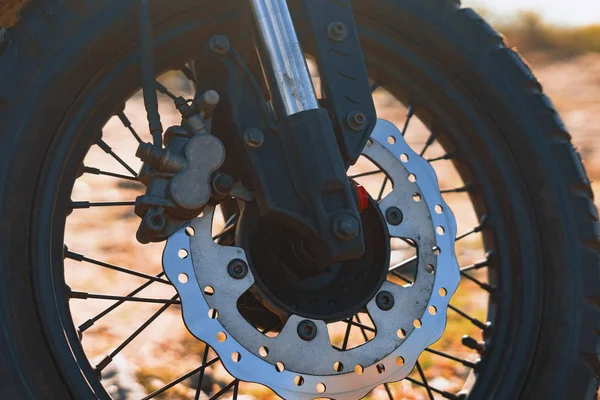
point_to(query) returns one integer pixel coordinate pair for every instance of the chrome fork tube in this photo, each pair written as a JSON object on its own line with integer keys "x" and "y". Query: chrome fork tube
{"x": 280, "y": 53}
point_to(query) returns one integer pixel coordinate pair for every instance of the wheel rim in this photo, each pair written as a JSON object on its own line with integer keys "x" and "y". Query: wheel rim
{"x": 161, "y": 277}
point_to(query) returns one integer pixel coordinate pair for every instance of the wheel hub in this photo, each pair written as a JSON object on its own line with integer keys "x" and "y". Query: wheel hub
{"x": 285, "y": 278}
{"x": 300, "y": 362}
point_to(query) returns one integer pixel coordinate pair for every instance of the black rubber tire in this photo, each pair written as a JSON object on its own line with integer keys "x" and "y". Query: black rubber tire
{"x": 56, "y": 50}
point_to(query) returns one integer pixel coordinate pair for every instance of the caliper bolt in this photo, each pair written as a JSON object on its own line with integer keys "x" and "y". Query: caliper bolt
{"x": 219, "y": 44}
{"x": 222, "y": 184}
{"x": 337, "y": 31}
{"x": 346, "y": 227}
{"x": 357, "y": 121}
{"x": 254, "y": 138}
{"x": 238, "y": 269}
{"x": 394, "y": 216}
{"x": 307, "y": 330}
{"x": 155, "y": 221}
{"x": 384, "y": 300}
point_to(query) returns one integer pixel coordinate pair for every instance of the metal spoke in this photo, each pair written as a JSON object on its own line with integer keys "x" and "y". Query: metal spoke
{"x": 346, "y": 337}
{"x": 127, "y": 124}
{"x": 424, "y": 379}
{"x": 466, "y": 363}
{"x": 108, "y": 150}
{"x": 86, "y": 296}
{"x": 229, "y": 225}
{"x": 201, "y": 377}
{"x": 448, "y": 156}
{"x": 78, "y": 205}
{"x": 380, "y": 195}
{"x": 476, "y": 266}
{"x": 81, "y": 258}
{"x": 408, "y": 263}
{"x": 388, "y": 391}
{"x": 445, "y": 394}
{"x": 87, "y": 324}
{"x": 482, "y": 224}
{"x": 363, "y": 174}
{"x": 181, "y": 379}
{"x": 409, "y": 115}
{"x": 362, "y": 330}
{"x": 399, "y": 275}
{"x": 161, "y": 88}
{"x": 482, "y": 285}
{"x": 359, "y": 325}
{"x": 463, "y": 314}
{"x": 466, "y": 188}
{"x": 236, "y": 388}
{"x": 225, "y": 389}
{"x": 97, "y": 171}
{"x": 428, "y": 143}
{"x": 108, "y": 359}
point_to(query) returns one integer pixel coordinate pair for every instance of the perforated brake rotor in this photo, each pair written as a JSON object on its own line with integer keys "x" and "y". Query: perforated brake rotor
{"x": 306, "y": 368}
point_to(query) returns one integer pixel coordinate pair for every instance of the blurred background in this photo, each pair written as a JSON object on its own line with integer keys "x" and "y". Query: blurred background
{"x": 561, "y": 41}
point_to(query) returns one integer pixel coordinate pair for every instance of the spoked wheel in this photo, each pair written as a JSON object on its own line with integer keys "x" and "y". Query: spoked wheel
{"x": 517, "y": 325}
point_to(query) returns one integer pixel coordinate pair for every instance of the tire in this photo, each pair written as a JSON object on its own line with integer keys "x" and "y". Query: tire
{"x": 52, "y": 59}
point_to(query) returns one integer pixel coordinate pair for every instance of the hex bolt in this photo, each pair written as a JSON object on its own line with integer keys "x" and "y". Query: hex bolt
{"x": 238, "y": 269}
{"x": 155, "y": 221}
{"x": 384, "y": 300}
{"x": 337, "y": 31}
{"x": 394, "y": 216}
{"x": 346, "y": 227}
{"x": 357, "y": 121}
{"x": 307, "y": 330}
{"x": 254, "y": 138}
{"x": 219, "y": 44}
{"x": 222, "y": 184}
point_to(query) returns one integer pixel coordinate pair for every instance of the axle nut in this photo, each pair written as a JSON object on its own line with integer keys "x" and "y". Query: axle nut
{"x": 384, "y": 300}
{"x": 307, "y": 330}
{"x": 238, "y": 269}
{"x": 254, "y": 138}
{"x": 346, "y": 227}
{"x": 219, "y": 44}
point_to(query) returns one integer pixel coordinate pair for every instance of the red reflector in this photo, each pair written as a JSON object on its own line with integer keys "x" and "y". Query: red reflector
{"x": 363, "y": 198}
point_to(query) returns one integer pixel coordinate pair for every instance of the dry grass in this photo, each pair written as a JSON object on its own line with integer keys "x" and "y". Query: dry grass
{"x": 531, "y": 34}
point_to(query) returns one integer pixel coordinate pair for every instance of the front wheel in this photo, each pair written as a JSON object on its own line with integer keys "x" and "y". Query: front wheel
{"x": 522, "y": 323}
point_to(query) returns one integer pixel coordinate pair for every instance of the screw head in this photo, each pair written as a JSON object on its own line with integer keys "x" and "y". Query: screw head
{"x": 223, "y": 183}
{"x": 237, "y": 269}
{"x": 307, "y": 330}
{"x": 254, "y": 138}
{"x": 384, "y": 300}
{"x": 346, "y": 227}
{"x": 155, "y": 221}
{"x": 357, "y": 121}
{"x": 219, "y": 44}
{"x": 394, "y": 216}
{"x": 337, "y": 31}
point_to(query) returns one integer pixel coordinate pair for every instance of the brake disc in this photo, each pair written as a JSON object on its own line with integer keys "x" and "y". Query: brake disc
{"x": 296, "y": 368}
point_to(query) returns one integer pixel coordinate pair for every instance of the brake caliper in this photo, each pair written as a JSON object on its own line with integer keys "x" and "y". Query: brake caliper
{"x": 182, "y": 177}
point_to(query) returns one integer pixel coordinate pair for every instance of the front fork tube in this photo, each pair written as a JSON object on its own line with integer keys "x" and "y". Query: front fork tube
{"x": 309, "y": 140}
